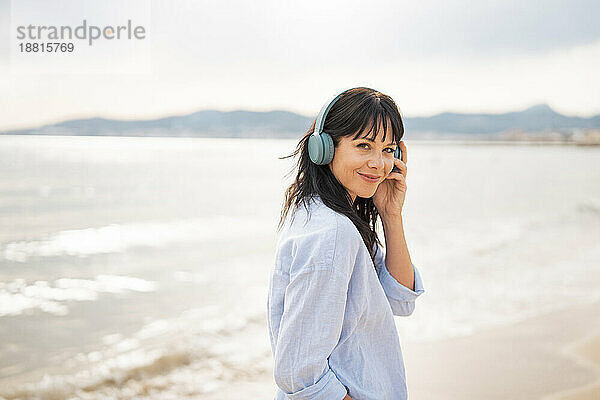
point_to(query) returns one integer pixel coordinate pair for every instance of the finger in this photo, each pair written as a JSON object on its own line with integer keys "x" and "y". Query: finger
{"x": 396, "y": 175}
{"x": 404, "y": 152}
{"x": 400, "y": 164}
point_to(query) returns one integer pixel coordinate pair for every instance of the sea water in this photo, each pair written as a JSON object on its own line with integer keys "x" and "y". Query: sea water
{"x": 139, "y": 266}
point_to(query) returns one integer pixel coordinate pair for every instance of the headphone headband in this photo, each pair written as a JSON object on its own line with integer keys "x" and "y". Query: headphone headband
{"x": 319, "y": 124}
{"x": 323, "y": 113}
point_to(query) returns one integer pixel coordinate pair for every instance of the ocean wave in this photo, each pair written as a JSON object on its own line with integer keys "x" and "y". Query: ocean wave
{"x": 116, "y": 238}
{"x": 589, "y": 206}
{"x": 19, "y": 295}
{"x": 195, "y": 353}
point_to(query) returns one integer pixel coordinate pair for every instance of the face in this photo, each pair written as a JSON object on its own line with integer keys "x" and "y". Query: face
{"x": 355, "y": 158}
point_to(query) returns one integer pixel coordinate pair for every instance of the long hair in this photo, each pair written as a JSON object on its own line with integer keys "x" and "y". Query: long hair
{"x": 356, "y": 113}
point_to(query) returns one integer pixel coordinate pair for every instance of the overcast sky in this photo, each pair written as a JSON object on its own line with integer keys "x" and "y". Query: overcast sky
{"x": 430, "y": 56}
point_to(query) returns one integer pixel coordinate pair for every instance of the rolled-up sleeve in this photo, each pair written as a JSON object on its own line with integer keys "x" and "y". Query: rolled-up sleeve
{"x": 311, "y": 325}
{"x": 401, "y": 298}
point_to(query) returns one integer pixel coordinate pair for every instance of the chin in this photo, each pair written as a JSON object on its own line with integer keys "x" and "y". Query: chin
{"x": 366, "y": 194}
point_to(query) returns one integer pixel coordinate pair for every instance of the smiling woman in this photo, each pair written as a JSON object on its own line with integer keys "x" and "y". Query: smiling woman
{"x": 334, "y": 290}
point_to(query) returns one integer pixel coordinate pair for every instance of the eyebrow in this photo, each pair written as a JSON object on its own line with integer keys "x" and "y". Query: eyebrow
{"x": 373, "y": 140}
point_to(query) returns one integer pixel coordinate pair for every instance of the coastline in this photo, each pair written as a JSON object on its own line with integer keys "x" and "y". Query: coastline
{"x": 555, "y": 356}
{"x": 587, "y": 351}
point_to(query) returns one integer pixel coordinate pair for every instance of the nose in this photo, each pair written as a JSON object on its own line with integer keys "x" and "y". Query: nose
{"x": 376, "y": 161}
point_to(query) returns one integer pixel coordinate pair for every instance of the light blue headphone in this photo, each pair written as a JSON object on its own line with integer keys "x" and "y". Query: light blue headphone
{"x": 320, "y": 144}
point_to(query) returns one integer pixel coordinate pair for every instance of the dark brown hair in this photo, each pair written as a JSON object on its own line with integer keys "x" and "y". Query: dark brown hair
{"x": 357, "y": 112}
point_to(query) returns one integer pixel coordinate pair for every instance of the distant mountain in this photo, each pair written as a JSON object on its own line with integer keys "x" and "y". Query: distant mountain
{"x": 206, "y": 123}
{"x": 213, "y": 123}
{"x": 537, "y": 118}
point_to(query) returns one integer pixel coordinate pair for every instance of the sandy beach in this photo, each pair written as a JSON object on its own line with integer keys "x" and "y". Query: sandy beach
{"x": 545, "y": 357}
{"x": 551, "y": 357}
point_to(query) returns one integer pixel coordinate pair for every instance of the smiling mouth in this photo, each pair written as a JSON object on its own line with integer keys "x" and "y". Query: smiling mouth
{"x": 372, "y": 178}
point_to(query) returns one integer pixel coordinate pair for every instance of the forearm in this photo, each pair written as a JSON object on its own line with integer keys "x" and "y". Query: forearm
{"x": 397, "y": 258}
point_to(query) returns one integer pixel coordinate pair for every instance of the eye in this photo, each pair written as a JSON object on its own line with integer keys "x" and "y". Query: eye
{"x": 363, "y": 144}
{"x": 392, "y": 150}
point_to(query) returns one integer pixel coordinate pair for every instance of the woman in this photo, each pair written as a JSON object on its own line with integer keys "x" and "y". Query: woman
{"x": 334, "y": 291}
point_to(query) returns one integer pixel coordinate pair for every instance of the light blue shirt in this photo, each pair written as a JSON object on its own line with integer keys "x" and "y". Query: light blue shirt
{"x": 330, "y": 312}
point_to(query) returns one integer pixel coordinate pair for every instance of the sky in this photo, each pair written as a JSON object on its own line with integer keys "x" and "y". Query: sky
{"x": 431, "y": 56}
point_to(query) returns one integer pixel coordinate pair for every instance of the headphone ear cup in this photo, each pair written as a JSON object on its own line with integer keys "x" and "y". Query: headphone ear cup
{"x": 398, "y": 152}
{"x": 315, "y": 149}
{"x": 328, "y": 148}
